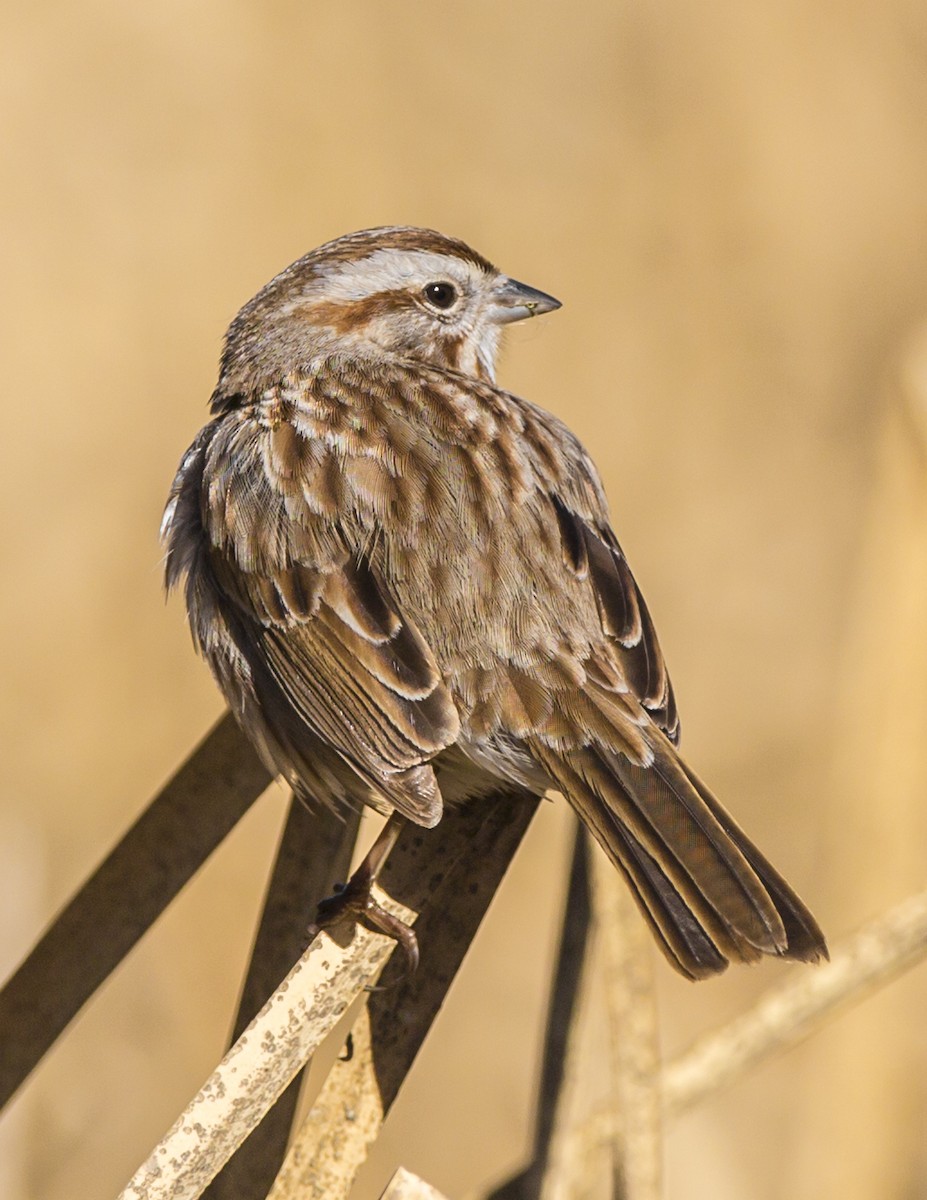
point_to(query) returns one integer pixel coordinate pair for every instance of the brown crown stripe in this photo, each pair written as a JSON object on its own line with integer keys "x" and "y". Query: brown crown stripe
{"x": 365, "y": 242}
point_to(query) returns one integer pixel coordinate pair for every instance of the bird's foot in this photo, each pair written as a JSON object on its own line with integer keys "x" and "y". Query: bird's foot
{"x": 353, "y": 901}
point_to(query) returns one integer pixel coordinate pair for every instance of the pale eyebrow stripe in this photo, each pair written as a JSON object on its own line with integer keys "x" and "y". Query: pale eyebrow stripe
{"x": 389, "y": 270}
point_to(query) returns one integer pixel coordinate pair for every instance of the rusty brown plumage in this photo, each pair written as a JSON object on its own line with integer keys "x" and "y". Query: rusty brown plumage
{"x": 406, "y": 584}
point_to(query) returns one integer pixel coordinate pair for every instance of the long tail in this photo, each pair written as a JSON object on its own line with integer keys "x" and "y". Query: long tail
{"x": 709, "y": 895}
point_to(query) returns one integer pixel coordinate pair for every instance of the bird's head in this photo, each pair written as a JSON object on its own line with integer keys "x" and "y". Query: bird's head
{"x": 397, "y": 291}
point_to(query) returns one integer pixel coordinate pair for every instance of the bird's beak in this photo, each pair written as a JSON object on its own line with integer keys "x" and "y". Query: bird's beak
{"x": 514, "y": 301}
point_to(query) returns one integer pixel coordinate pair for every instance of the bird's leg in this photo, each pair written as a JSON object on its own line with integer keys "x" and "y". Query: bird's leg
{"x": 353, "y": 900}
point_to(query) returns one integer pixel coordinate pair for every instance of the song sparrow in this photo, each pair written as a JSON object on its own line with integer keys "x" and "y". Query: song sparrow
{"x": 405, "y": 582}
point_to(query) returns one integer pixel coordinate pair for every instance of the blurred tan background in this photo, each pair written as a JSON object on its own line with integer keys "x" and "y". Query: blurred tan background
{"x": 731, "y": 201}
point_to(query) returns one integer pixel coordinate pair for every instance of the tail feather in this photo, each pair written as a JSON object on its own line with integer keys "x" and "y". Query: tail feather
{"x": 805, "y": 938}
{"x": 709, "y": 895}
{"x": 708, "y": 873}
{"x": 712, "y": 871}
{"x": 679, "y": 934}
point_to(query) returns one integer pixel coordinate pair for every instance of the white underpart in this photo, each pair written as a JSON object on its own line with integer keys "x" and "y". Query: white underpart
{"x": 488, "y": 348}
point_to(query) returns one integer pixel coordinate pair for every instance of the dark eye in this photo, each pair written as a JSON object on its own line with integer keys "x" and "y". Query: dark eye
{"x": 440, "y": 295}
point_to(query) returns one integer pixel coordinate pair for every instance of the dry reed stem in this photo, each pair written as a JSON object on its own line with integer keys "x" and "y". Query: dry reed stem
{"x": 624, "y": 948}
{"x": 627, "y": 1162}
{"x": 301, "y": 1013}
{"x": 564, "y": 998}
{"x": 314, "y": 854}
{"x": 345, "y": 1120}
{"x": 347, "y": 1116}
{"x": 861, "y": 963}
{"x": 876, "y": 954}
{"x": 277, "y": 1044}
{"x": 130, "y": 889}
{"x": 565, "y": 1174}
{"x": 406, "y": 1186}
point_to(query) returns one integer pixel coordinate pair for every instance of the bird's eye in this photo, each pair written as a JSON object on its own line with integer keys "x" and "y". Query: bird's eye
{"x": 440, "y": 295}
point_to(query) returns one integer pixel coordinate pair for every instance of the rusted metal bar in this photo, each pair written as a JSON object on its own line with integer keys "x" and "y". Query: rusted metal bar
{"x": 274, "y": 1047}
{"x": 346, "y": 1118}
{"x": 125, "y": 895}
{"x": 605, "y": 949}
{"x": 561, "y": 1015}
{"x": 300, "y": 1014}
{"x": 314, "y": 854}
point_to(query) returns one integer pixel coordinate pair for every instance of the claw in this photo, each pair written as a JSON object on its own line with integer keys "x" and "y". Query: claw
{"x": 383, "y": 922}
{"x": 353, "y": 900}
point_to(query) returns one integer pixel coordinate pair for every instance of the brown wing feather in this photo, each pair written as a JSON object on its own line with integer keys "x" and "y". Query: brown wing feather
{"x": 709, "y": 895}
{"x": 357, "y": 674}
{"x": 590, "y": 549}
{"x": 305, "y": 639}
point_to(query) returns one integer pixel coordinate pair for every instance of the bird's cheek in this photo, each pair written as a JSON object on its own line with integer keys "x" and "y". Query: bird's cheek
{"x": 453, "y": 351}
{"x": 393, "y": 335}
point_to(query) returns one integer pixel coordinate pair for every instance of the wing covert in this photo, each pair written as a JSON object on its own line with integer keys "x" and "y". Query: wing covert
{"x": 590, "y": 550}
{"x": 329, "y": 650}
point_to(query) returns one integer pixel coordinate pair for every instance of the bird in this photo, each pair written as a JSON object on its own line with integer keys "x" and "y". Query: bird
{"x": 405, "y": 581}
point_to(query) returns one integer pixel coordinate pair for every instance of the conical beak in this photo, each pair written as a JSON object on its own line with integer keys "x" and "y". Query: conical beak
{"x": 514, "y": 301}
